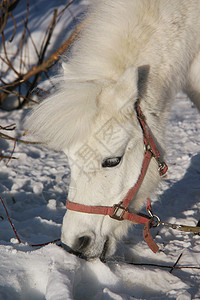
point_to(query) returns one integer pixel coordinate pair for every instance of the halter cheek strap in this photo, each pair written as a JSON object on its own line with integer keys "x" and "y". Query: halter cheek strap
{"x": 120, "y": 211}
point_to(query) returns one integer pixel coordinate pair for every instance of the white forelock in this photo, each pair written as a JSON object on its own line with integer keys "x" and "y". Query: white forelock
{"x": 66, "y": 116}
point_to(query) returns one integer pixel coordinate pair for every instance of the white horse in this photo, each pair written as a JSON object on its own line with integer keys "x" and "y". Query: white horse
{"x": 128, "y": 49}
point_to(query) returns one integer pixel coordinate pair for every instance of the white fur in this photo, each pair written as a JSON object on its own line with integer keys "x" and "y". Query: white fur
{"x": 92, "y": 115}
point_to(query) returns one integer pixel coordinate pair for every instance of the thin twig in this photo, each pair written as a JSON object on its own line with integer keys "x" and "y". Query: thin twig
{"x": 11, "y": 156}
{"x": 7, "y": 157}
{"x": 15, "y": 28}
{"x": 8, "y": 127}
{"x": 7, "y": 137}
{"x": 44, "y": 66}
{"x": 164, "y": 266}
{"x": 41, "y": 56}
{"x": 23, "y": 38}
{"x": 60, "y": 14}
{"x": 47, "y": 243}
{"x": 10, "y": 222}
{"x": 32, "y": 41}
{"x": 18, "y": 95}
{"x": 12, "y": 127}
{"x": 174, "y": 266}
{"x": 4, "y": 16}
{"x": 6, "y": 10}
{"x": 6, "y": 56}
{"x": 12, "y": 225}
{"x": 47, "y": 37}
{"x": 20, "y": 46}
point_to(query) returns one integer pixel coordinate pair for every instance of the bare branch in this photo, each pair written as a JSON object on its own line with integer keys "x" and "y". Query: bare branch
{"x": 7, "y": 137}
{"x": 18, "y": 95}
{"x": 7, "y": 60}
{"x": 31, "y": 77}
{"x": 43, "y": 66}
{"x": 42, "y": 54}
{"x": 6, "y": 10}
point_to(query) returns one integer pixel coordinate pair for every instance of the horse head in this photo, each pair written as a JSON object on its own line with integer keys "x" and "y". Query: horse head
{"x": 95, "y": 124}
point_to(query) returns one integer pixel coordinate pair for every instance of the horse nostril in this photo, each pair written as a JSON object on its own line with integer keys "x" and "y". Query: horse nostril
{"x": 82, "y": 243}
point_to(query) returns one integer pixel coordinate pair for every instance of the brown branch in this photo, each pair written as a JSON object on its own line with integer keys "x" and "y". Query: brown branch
{"x": 7, "y": 157}
{"x": 44, "y": 244}
{"x": 7, "y": 137}
{"x": 6, "y": 11}
{"x": 174, "y": 266}
{"x": 11, "y": 156}
{"x": 12, "y": 127}
{"x": 18, "y": 95}
{"x": 4, "y": 15}
{"x": 15, "y": 232}
{"x": 32, "y": 41}
{"x": 6, "y": 57}
{"x": 47, "y": 37}
{"x": 10, "y": 221}
{"x": 163, "y": 266}
{"x": 60, "y": 14}
{"x": 12, "y": 59}
{"x": 15, "y": 28}
{"x": 42, "y": 54}
{"x": 22, "y": 42}
{"x": 20, "y": 46}
{"x": 44, "y": 66}
{"x": 8, "y": 127}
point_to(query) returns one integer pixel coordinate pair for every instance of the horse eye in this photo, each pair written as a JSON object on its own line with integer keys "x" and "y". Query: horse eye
{"x": 111, "y": 162}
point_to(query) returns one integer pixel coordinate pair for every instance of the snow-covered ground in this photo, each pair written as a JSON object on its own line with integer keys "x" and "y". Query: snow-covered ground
{"x": 34, "y": 188}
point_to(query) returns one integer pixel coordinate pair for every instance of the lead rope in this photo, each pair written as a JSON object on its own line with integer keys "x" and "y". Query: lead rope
{"x": 185, "y": 228}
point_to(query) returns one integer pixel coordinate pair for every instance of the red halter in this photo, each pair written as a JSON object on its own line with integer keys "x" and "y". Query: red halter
{"x": 120, "y": 211}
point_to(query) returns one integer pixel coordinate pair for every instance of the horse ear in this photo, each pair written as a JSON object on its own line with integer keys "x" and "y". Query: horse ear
{"x": 126, "y": 88}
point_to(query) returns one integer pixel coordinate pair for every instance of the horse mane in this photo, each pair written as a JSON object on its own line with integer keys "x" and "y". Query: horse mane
{"x": 65, "y": 117}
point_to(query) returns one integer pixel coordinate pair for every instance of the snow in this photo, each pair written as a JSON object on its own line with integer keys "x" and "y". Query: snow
{"x": 34, "y": 189}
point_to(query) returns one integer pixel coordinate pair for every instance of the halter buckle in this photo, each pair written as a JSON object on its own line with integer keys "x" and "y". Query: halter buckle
{"x": 162, "y": 169}
{"x": 118, "y": 212}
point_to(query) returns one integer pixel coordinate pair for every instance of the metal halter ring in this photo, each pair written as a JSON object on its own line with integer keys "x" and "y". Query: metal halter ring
{"x": 156, "y": 221}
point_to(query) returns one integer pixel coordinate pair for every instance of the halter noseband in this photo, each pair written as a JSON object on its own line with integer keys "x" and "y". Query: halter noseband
{"x": 120, "y": 211}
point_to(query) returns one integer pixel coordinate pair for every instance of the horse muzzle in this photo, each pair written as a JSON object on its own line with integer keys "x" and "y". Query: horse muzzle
{"x": 86, "y": 248}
